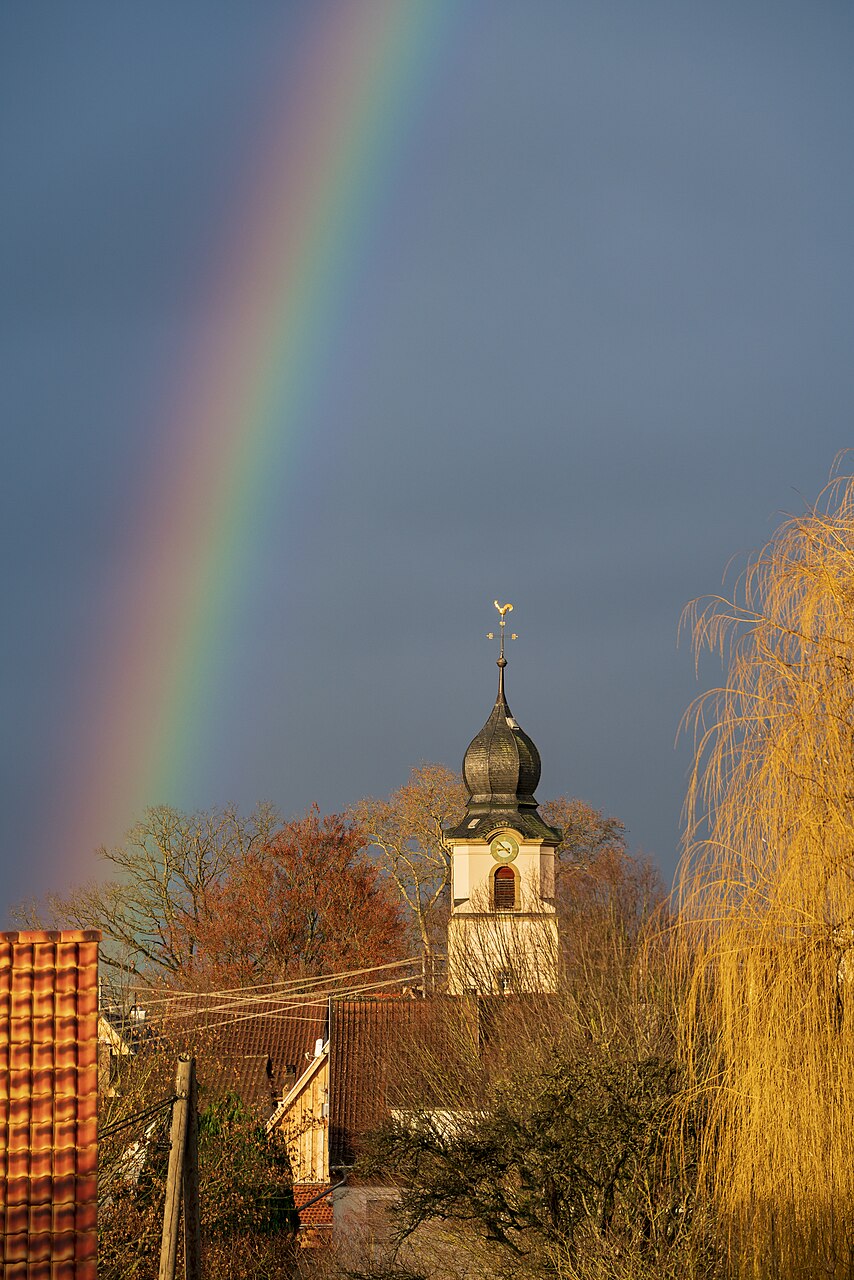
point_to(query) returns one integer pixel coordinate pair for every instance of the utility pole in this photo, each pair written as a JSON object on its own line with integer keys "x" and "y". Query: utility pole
{"x": 184, "y": 1086}
{"x": 192, "y": 1216}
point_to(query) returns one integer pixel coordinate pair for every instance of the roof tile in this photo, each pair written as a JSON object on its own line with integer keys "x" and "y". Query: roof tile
{"x": 233, "y": 1046}
{"x": 48, "y": 1046}
{"x": 318, "y": 1214}
{"x": 375, "y": 1044}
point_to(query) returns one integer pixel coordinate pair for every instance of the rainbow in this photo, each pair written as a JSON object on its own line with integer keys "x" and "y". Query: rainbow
{"x": 326, "y": 159}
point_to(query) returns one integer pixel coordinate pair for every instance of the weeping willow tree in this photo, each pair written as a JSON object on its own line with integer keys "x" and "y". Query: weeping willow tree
{"x": 767, "y": 901}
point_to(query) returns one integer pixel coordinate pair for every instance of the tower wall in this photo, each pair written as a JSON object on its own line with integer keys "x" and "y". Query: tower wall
{"x": 497, "y": 952}
{"x": 495, "y": 949}
{"x": 473, "y": 865}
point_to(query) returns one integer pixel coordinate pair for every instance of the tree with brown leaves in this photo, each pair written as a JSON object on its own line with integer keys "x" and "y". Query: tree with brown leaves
{"x": 307, "y": 902}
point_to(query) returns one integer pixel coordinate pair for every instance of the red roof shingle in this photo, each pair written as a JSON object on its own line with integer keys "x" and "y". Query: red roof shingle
{"x": 48, "y": 1103}
{"x": 319, "y": 1213}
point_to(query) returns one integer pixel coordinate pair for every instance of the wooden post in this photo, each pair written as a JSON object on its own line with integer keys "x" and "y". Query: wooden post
{"x": 192, "y": 1217}
{"x": 174, "y": 1176}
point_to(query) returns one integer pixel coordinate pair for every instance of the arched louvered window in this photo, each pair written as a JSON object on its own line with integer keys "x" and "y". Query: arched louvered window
{"x": 504, "y": 890}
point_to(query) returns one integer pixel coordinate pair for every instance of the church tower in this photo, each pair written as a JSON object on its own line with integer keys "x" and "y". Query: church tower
{"x": 502, "y": 934}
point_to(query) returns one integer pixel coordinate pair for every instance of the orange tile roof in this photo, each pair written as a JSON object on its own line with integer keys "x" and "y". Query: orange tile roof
{"x": 318, "y": 1214}
{"x": 49, "y": 1104}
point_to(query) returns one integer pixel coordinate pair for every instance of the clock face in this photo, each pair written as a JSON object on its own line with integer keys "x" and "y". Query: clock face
{"x": 504, "y": 846}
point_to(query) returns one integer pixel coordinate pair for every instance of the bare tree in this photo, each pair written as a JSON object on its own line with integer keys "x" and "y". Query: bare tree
{"x": 408, "y": 833}
{"x": 533, "y": 1130}
{"x": 150, "y": 911}
{"x": 587, "y": 832}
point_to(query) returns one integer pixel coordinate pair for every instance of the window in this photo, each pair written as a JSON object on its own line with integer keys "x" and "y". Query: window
{"x": 504, "y": 980}
{"x": 504, "y": 890}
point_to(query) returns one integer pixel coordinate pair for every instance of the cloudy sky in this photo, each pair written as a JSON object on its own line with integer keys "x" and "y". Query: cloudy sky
{"x": 571, "y": 320}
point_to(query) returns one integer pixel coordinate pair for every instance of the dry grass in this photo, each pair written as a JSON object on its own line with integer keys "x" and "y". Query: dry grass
{"x": 767, "y": 900}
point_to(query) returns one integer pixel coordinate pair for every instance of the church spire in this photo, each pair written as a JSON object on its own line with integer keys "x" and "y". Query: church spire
{"x": 501, "y": 768}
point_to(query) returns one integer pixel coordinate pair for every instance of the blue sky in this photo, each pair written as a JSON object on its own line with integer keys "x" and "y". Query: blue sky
{"x": 600, "y": 337}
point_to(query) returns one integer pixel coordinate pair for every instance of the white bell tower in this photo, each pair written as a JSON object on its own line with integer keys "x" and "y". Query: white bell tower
{"x": 503, "y": 933}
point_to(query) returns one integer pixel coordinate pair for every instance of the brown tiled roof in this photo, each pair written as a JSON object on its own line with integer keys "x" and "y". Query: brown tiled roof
{"x": 253, "y": 1080}
{"x": 380, "y": 1047}
{"x": 318, "y": 1214}
{"x": 246, "y": 1047}
{"x": 396, "y": 1052}
{"x": 285, "y": 1031}
{"x": 519, "y": 1016}
{"x": 48, "y": 1103}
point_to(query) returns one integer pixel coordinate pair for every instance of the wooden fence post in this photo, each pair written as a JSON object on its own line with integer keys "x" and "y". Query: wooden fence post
{"x": 192, "y": 1216}
{"x": 175, "y": 1174}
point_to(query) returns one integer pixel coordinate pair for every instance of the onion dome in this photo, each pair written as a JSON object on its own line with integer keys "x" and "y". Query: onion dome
{"x": 501, "y": 770}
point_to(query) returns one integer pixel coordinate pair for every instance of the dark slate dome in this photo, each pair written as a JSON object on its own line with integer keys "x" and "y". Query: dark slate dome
{"x": 501, "y": 770}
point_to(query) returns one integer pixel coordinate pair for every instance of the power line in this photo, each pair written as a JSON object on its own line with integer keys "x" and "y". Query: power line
{"x": 299, "y": 984}
{"x": 245, "y": 1012}
{"x": 139, "y": 1115}
{"x": 283, "y": 1016}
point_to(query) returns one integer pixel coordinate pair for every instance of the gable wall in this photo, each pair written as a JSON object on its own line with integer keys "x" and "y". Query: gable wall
{"x": 304, "y": 1125}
